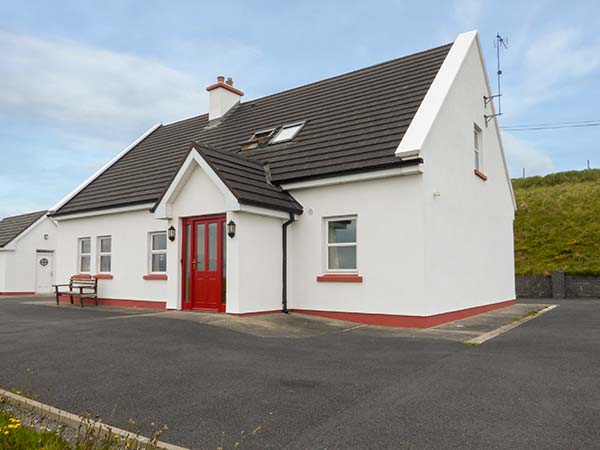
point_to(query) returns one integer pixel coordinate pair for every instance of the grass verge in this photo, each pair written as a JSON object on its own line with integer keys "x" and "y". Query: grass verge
{"x": 557, "y": 226}
{"x": 15, "y": 436}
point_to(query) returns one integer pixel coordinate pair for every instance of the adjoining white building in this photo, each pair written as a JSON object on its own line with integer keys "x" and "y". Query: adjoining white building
{"x": 379, "y": 196}
{"x": 27, "y": 254}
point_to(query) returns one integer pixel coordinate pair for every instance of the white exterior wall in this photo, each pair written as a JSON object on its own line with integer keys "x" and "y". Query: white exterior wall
{"x": 469, "y": 259}
{"x": 3, "y": 272}
{"x": 129, "y": 262}
{"x": 19, "y": 265}
{"x": 390, "y": 255}
{"x": 254, "y": 267}
{"x": 253, "y": 255}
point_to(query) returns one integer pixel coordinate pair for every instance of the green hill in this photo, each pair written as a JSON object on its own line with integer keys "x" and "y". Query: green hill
{"x": 558, "y": 223}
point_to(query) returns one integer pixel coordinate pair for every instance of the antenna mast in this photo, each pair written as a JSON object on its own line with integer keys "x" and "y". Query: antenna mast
{"x": 499, "y": 42}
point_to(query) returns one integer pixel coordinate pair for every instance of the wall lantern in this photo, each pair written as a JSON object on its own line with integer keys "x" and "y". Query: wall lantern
{"x": 231, "y": 228}
{"x": 171, "y": 233}
{"x": 45, "y": 237}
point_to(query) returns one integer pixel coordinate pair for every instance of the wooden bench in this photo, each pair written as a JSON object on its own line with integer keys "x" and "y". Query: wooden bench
{"x": 78, "y": 287}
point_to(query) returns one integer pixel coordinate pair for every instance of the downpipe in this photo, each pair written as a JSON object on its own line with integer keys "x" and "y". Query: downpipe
{"x": 284, "y": 226}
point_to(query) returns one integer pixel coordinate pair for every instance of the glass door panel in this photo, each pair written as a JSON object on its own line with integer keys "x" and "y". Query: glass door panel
{"x": 212, "y": 246}
{"x": 200, "y": 246}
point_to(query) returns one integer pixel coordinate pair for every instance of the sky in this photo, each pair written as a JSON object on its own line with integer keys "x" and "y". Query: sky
{"x": 81, "y": 80}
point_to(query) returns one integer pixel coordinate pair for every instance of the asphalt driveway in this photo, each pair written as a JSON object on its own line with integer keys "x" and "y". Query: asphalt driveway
{"x": 534, "y": 387}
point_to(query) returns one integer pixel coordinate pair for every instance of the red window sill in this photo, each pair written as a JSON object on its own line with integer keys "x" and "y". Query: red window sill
{"x": 480, "y": 174}
{"x": 103, "y": 276}
{"x": 156, "y": 277}
{"x": 83, "y": 276}
{"x": 331, "y": 278}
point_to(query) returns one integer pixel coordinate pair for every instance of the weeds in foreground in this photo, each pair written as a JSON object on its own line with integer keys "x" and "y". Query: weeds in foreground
{"x": 89, "y": 436}
{"x": 15, "y": 436}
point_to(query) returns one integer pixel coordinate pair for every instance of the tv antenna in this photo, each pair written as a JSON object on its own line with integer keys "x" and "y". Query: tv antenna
{"x": 498, "y": 43}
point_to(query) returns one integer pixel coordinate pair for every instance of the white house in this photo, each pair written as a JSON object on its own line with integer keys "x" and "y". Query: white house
{"x": 379, "y": 196}
{"x": 27, "y": 254}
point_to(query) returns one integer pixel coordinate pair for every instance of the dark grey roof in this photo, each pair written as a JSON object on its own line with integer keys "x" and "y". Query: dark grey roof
{"x": 354, "y": 122}
{"x": 11, "y": 227}
{"x": 246, "y": 180}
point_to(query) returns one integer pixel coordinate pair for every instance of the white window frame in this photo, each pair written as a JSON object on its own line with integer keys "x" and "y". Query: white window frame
{"x": 339, "y": 244}
{"x": 80, "y": 254}
{"x": 152, "y": 252}
{"x": 300, "y": 125}
{"x": 101, "y": 253}
{"x": 478, "y": 147}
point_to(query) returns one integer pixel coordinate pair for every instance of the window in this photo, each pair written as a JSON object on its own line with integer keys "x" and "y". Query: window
{"x": 477, "y": 148}
{"x": 158, "y": 252}
{"x": 341, "y": 244}
{"x": 259, "y": 138}
{"x": 287, "y": 133}
{"x": 262, "y": 136}
{"x": 104, "y": 254}
{"x": 85, "y": 254}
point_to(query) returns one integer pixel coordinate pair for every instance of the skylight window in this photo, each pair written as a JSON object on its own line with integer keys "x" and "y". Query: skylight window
{"x": 258, "y": 138}
{"x": 262, "y": 136}
{"x": 287, "y": 133}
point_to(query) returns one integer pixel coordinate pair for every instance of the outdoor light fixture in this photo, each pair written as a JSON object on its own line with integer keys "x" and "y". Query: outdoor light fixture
{"x": 171, "y": 233}
{"x": 231, "y": 228}
{"x": 46, "y": 237}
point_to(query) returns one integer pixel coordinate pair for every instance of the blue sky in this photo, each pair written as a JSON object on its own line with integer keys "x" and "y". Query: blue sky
{"x": 81, "y": 80}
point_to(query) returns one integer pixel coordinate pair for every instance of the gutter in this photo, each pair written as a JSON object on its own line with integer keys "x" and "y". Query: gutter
{"x": 284, "y": 305}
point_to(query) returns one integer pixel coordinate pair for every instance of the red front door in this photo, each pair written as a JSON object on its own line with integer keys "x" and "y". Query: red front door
{"x": 204, "y": 263}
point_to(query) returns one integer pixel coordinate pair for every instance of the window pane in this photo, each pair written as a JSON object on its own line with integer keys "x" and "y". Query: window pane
{"x": 85, "y": 246}
{"x": 212, "y": 246}
{"x": 105, "y": 263}
{"x": 476, "y": 159}
{"x": 188, "y": 260}
{"x": 287, "y": 133}
{"x": 159, "y": 262}
{"x": 105, "y": 245}
{"x": 342, "y": 231}
{"x": 200, "y": 246}
{"x": 476, "y": 138}
{"x": 342, "y": 258}
{"x": 84, "y": 265}
{"x": 159, "y": 241}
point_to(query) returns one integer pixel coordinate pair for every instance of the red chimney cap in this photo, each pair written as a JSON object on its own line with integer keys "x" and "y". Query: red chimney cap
{"x": 223, "y": 84}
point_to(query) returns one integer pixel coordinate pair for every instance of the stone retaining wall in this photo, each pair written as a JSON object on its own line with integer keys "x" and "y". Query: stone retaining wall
{"x": 558, "y": 285}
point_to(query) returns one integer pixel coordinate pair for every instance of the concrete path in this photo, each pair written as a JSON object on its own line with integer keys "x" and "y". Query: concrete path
{"x": 534, "y": 387}
{"x": 297, "y": 325}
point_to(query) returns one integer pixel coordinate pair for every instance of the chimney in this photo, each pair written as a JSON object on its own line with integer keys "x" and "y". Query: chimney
{"x": 222, "y": 97}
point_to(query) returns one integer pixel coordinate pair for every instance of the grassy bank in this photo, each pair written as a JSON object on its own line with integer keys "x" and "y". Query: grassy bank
{"x": 558, "y": 223}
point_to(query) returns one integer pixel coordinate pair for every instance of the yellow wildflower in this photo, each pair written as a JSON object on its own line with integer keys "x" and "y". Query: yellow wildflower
{"x": 5, "y": 433}
{"x": 116, "y": 436}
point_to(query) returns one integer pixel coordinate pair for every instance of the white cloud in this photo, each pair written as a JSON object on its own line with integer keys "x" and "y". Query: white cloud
{"x": 552, "y": 66}
{"x": 521, "y": 154}
{"x": 97, "y": 92}
{"x": 79, "y": 105}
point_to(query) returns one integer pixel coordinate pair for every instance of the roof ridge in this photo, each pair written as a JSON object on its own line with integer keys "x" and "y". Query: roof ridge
{"x": 312, "y": 83}
{"x": 352, "y": 72}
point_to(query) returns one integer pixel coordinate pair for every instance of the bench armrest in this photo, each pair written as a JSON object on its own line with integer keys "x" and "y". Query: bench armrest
{"x": 60, "y": 285}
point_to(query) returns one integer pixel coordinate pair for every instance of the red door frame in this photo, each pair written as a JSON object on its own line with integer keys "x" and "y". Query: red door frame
{"x": 220, "y": 219}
